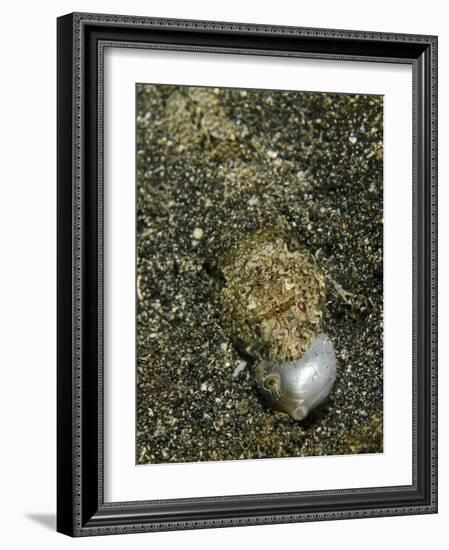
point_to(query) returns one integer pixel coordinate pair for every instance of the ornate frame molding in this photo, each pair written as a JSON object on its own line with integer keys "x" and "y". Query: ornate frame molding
{"x": 81, "y": 508}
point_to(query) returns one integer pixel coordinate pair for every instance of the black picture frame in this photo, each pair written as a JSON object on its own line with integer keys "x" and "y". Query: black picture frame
{"x": 81, "y": 509}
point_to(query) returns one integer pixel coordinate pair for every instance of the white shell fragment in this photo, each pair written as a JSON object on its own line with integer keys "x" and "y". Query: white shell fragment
{"x": 198, "y": 233}
{"x": 296, "y": 387}
{"x": 239, "y": 368}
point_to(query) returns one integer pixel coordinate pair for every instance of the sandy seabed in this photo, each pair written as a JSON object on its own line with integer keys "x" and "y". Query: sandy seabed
{"x": 214, "y": 165}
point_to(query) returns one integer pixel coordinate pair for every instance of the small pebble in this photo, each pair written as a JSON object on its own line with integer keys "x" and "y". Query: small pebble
{"x": 239, "y": 368}
{"x": 198, "y": 233}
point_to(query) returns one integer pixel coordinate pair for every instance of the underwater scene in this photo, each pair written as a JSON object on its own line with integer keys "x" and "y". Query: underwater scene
{"x": 259, "y": 274}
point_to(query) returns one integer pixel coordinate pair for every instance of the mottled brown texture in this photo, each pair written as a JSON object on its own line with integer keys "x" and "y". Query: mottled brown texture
{"x": 273, "y": 297}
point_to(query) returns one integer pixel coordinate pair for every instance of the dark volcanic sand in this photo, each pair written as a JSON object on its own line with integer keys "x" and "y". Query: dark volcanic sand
{"x": 213, "y": 165}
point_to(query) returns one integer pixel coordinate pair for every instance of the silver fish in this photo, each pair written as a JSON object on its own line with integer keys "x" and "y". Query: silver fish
{"x": 296, "y": 387}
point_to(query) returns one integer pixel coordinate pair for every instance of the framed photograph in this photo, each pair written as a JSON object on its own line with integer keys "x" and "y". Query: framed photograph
{"x": 247, "y": 281}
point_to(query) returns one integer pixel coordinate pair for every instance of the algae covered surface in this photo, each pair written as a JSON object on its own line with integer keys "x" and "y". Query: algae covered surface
{"x": 215, "y": 168}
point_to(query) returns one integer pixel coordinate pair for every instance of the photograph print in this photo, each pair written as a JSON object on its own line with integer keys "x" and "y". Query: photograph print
{"x": 259, "y": 274}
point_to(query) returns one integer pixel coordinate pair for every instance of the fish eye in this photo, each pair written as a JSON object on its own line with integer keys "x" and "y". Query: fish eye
{"x": 270, "y": 383}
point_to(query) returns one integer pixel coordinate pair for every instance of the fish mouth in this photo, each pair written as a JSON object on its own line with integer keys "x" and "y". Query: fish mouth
{"x": 299, "y": 413}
